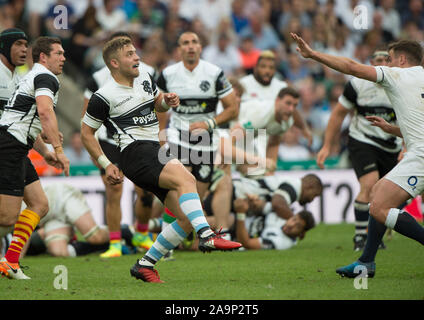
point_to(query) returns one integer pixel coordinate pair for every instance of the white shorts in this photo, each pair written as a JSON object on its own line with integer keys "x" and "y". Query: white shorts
{"x": 66, "y": 206}
{"x": 409, "y": 174}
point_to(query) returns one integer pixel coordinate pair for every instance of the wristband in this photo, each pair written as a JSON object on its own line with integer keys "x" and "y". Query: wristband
{"x": 164, "y": 105}
{"x": 211, "y": 124}
{"x": 103, "y": 161}
{"x": 241, "y": 216}
{"x": 58, "y": 149}
{"x": 267, "y": 208}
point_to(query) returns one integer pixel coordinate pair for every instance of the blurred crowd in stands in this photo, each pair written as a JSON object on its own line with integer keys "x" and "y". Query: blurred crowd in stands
{"x": 233, "y": 33}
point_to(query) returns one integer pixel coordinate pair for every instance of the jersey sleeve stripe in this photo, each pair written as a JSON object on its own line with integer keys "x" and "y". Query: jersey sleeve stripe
{"x": 44, "y": 92}
{"x": 289, "y": 190}
{"x": 91, "y": 121}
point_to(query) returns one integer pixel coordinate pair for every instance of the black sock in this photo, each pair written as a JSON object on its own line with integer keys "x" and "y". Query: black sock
{"x": 409, "y": 227}
{"x": 83, "y": 248}
{"x": 361, "y": 217}
{"x": 376, "y": 232}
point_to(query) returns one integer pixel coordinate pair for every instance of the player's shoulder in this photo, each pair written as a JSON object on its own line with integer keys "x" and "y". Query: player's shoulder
{"x": 172, "y": 69}
{"x": 39, "y": 70}
{"x": 278, "y": 83}
{"x": 107, "y": 91}
{"x": 210, "y": 68}
{"x": 147, "y": 68}
{"x": 246, "y": 79}
{"x": 101, "y": 75}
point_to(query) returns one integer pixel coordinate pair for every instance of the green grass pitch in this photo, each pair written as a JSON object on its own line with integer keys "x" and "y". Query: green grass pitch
{"x": 305, "y": 272}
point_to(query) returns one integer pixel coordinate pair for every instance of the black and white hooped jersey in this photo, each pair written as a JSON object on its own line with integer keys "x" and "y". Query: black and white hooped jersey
{"x": 269, "y": 229}
{"x": 289, "y": 188}
{"x": 199, "y": 92}
{"x": 369, "y": 99}
{"x": 128, "y": 113}
{"x": 8, "y": 84}
{"x": 97, "y": 80}
{"x": 20, "y": 116}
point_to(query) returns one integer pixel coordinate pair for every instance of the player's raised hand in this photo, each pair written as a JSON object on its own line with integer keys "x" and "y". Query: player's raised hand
{"x": 113, "y": 175}
{"x": 302, "y": 47}
{"x": 171, "y": 99}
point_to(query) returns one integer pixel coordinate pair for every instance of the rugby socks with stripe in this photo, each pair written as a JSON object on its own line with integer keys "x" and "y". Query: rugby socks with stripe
{"x": 192, "y": 207}
{"x": 115, "y": 240}
{"x": 167, "y": 240}
{"x": 26, "y": 224}
{"x": 402, "y": 222}
{"x": 168, "y": 218}
{"x": 361, "y": 217}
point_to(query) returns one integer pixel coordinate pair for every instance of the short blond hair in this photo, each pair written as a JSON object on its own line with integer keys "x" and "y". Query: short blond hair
{"x": 111, "y": 48}
{"x": 266, "y": 54}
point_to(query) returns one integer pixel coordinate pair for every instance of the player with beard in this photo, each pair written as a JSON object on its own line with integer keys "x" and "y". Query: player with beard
{"x": 29, "y": 111}
{"x": 262, "y": 84}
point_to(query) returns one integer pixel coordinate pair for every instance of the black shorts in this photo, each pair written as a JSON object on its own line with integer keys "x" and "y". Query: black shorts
{"x": 13, "y": 165}
{"x": 140, "y": 163}
{"x": 112, "y": 152}
{"x": 366, "y": 158}
{"x": 30, "y": 173}
{"x": 200, "y": 162}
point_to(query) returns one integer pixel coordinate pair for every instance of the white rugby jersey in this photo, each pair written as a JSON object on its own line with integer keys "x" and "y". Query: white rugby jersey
{"x": 269, "y": 230}
{"x": 8, "y": 84}
{"x": 255, "y": 90}
{"x": 289, "y": 188}
{"x": 405, "y": 89}
{"x": 20, "y": 115}
{"x": 260, "y": 114}
{"x": 369, "y": 99}
{"x": 199, "y": 92}
{"x": 128, "y": 113}
{"x": 97, "y": 80}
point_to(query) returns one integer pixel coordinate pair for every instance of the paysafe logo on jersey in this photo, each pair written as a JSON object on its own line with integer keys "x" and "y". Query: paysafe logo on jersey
{"x": 241, "y": 147}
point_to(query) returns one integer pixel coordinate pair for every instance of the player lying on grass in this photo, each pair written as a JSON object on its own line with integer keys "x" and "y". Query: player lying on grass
{"x": 271, "y": 195}
{"x": 68, "y": 210}
{"x": 270, "y": 231}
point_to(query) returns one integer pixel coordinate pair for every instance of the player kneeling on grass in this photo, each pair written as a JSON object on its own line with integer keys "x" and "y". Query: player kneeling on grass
{"x": 68, "y": 209}
{"x": 270, "y": 231}
{"x": 127, "y": 105}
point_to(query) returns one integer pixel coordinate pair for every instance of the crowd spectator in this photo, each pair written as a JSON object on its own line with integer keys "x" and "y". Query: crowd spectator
{"x": 415, "y": 13}
{"x": 233, "y": 33}
{"x": 224, "y": 55}
{"x": 76, "y": 152}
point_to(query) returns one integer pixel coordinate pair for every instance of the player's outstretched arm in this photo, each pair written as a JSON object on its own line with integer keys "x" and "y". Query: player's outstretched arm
{"x": 333, "y": 128}
{"x": 341, "y": 64}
